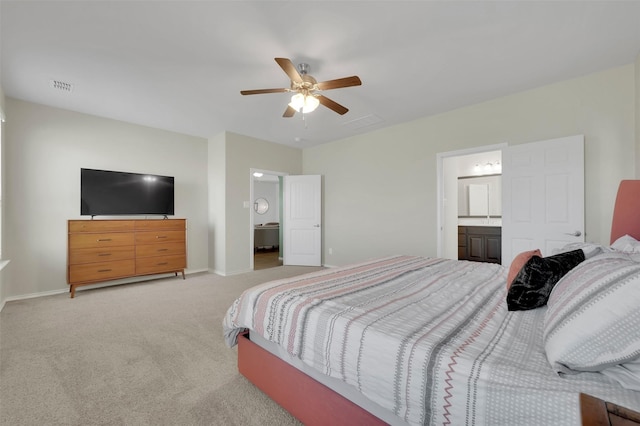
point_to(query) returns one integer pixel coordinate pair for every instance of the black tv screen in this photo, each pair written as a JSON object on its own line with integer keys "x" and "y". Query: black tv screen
{"x": 104, "y": 192}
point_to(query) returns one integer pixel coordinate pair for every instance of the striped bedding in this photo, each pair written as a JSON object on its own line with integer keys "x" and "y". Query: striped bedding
{"x": 427, "y": 339}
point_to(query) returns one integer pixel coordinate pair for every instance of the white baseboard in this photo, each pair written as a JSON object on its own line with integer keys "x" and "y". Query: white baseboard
{"x": 227, "y": 274}
{"x": 94, "y": 286}
{"x": 33, "y": 295}
{"x": 3, "y": 264}
{"x": 196, "y": 271}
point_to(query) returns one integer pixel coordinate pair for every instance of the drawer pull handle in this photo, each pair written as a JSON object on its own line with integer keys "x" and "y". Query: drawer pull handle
{"x": 104, "y": 254}
{"x": 163, "y": 249}
{"x": 103, "y": 239}
{"x": 162, "y": 263}
{"x": 161, "y": 236}
{"x": 104, "y": 270}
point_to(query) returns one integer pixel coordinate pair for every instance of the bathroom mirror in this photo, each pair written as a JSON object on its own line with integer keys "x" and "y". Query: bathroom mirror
{"x": 261, "y": 205}
{"x": 480, "y": 196}
{"x": 478, "y": 199}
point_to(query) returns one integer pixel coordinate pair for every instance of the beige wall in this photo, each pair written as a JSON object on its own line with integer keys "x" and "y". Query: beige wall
{"x": 2, "y": 102}
{"x": 3, "y": 266}
{"x": 217, "y": 211}
{"x": 380, "y": 188}
{"x": 44, "y": 150}
{"x": 242, "y": 154}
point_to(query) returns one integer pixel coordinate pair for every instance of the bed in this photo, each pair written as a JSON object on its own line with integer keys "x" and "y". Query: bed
{"x": 415, "y": 340}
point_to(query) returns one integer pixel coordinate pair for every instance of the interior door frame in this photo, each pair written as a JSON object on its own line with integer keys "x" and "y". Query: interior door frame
{"x": 251, "y": 198}
{"x": 440, "y": 184}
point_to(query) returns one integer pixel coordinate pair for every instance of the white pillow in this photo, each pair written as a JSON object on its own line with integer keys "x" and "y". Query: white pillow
{"x": 589, "y": 249}
{"x": 591, "y": 323}
{"x": 626, "y": 244}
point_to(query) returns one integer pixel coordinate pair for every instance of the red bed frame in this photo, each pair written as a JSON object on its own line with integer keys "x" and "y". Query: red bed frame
{"x": 306, "y": 399}
{"x": 315, "y": 404}
{"x": 626, "y": 212}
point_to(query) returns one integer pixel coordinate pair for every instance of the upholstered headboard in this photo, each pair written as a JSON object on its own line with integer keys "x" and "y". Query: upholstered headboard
{"x": 626, "y": 212}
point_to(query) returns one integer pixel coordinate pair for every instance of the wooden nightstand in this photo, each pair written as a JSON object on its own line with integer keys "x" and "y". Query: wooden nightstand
{"x": 596, "y": 412}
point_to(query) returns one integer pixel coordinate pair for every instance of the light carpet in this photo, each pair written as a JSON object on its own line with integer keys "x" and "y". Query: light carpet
{"x": 148, "y": 353}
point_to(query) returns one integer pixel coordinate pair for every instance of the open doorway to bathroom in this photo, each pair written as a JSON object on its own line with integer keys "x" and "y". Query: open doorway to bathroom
{"x": 469, "y": 197}
{"x": 266, "y": 218}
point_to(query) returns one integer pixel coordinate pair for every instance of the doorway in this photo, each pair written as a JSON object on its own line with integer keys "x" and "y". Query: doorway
{"x": 480, "y": 161}
{"x": 543, "y": 196}
{"x": 266, "y": 218}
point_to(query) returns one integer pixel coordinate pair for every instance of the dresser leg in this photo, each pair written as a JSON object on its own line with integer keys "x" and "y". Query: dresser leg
{"x": 72, "y": 290}
{"x": 183, "y": 274}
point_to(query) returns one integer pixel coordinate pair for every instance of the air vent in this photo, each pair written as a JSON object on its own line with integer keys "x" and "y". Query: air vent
{"x": 359, "y": 123}
{"x": 61, "y": 85}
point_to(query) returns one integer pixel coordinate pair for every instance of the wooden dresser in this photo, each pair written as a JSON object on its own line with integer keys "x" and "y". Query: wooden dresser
{"x": 103, "y": 250}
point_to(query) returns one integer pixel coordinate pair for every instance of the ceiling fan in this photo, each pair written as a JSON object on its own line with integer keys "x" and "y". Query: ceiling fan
{"x": 306, "y": 88}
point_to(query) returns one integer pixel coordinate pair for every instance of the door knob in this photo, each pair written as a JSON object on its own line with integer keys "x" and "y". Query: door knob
{"x": 574, "y": 234}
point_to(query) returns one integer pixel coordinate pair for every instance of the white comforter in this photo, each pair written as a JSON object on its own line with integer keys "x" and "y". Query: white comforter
{"x": 430, "y": 340}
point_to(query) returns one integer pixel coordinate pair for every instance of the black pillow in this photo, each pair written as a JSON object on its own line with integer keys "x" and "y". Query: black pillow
{"x": 533, "y": 284}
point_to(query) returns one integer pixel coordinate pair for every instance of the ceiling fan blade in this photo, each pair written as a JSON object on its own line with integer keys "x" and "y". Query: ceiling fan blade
{"x": 332, "y": 105}
{"x": 289, "y": 112}
{"x": 261, "y": 91}
{"x": 340, "y": 82}
{"x": 288, "y": 67}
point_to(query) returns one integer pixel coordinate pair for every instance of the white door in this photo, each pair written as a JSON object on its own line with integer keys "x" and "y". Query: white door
{"x": 543, "y": 196}
{"x": 302, "y": 235}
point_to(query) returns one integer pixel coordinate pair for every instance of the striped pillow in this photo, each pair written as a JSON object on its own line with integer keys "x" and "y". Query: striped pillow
{"x": 591, "y": 323}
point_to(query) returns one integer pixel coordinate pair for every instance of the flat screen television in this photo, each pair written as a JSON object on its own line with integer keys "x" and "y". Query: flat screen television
{"x": 106, "y": 193}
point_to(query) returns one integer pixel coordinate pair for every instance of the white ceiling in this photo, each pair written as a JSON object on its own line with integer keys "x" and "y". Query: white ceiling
{"x": 180, "y": 65}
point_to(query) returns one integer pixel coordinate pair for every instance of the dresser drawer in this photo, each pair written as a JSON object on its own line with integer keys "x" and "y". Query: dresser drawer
{"x": 89, "y": 240}
{"x": 158, "y": 264}
{"x": 153, "y": 237}
{"x": 101, "y": 271}
{"x": 161, "y": 225}
{"x": 101, "y": 254}
{"x": 160, "y": 249}
{"x": 101, "y": 226}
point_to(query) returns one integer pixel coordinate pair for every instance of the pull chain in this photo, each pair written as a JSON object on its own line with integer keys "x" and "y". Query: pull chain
{"x": 303, "y": 118}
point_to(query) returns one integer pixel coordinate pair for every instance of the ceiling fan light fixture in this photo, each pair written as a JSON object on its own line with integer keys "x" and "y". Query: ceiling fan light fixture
{"x": 306, "y": 99}
{"x": 305, "y": 103}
